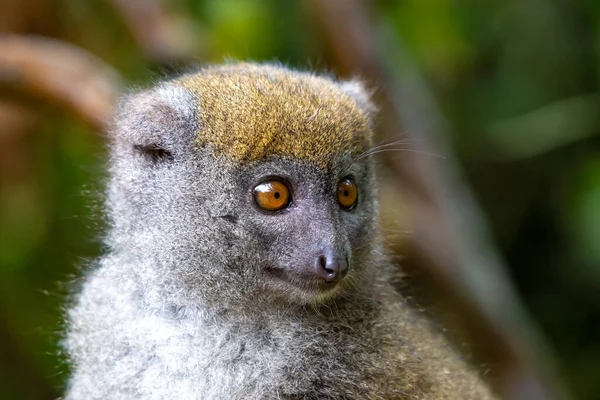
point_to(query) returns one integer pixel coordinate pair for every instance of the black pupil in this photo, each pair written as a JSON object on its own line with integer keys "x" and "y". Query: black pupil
{"x": 346, "y": 193}
{"x": 277, "y": 195}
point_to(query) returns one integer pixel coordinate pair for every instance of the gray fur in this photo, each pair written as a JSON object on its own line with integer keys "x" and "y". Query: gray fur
{"x": 357, "y": 91}
{"x": 179, "y": 307}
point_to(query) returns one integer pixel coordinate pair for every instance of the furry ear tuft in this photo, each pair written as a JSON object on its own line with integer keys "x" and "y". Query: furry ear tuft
{"x": 156, "y": 122}
{"x": 361, "y": 96}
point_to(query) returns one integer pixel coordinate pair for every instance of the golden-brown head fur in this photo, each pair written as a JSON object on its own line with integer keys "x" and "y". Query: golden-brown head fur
{"x": 250, "y": 111}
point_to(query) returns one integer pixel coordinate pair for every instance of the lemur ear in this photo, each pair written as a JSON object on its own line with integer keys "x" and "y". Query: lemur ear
{"x": 361, "y": 96}
{"x": 156, "y": 123}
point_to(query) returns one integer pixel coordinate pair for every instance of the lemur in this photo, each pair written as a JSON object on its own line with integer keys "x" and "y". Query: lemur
{"x": 244, "y": 258}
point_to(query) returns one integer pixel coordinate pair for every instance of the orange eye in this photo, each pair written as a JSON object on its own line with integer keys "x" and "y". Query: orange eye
{"x": 272, "y": 195}
{"x": 347, "y": 194}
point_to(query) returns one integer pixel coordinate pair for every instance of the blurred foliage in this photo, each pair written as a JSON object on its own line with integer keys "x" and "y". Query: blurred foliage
{"x": 518, "y": 82}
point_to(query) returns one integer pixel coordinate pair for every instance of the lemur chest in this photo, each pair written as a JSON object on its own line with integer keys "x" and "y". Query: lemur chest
{"x": 294, "y": 363}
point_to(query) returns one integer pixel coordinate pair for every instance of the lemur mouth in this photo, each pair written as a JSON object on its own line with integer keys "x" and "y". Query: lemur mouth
{"x": 306, "y": 283}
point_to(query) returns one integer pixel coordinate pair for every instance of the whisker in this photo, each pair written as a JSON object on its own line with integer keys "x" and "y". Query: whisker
{"x": 401, "y": 231}
{"x": 382, "y": 144}
{"x": 401, "y": 135}
{"x": 387, "y": 140}
{"x": 373, "y": 150}
{"x": 383, "y": 147}
{"x": 408, "y": 150}
{"x": 386, "y": 145}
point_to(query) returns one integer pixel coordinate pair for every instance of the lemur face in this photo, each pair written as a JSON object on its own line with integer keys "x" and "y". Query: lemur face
{"x": 311, "y": 225}
{"x": 255, "y": 169}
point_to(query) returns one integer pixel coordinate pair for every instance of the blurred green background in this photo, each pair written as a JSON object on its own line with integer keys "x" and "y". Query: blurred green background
{"x": 517, "y": 81}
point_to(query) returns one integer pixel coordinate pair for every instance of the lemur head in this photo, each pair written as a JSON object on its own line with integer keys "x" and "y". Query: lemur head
{"x": 244, "y": 182}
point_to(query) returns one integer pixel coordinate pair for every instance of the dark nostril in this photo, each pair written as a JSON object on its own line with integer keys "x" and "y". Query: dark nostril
{"x": 331, "y": 270}
{"x": 323, "y": 263}
{"x": 328, "y": 268}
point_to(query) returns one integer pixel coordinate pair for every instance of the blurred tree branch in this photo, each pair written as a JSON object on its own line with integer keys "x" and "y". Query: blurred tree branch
{"x": 450, "y": 243}
{"x": 62, "y": 73}
{"x": 161, "y": 36}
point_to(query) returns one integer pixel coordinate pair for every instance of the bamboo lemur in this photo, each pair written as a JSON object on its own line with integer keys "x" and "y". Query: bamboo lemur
{"x": 244, "y": 255}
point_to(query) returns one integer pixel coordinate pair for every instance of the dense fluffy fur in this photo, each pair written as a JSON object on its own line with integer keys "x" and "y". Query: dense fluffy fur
{"x": 197, "y": 297}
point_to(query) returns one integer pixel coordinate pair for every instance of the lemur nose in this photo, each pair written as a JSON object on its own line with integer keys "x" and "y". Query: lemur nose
{"x": 331, "y": 269}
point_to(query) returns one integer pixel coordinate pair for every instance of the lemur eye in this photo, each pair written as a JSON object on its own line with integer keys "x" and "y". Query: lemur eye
{"x": 347, "y": 194}
{"x": 272, "y": 195}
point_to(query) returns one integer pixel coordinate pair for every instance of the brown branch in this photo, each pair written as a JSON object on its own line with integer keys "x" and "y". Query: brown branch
{"x": 161, "y": 36}
{"x": 61, "y": 73}
{"x": 449, "y": 244}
